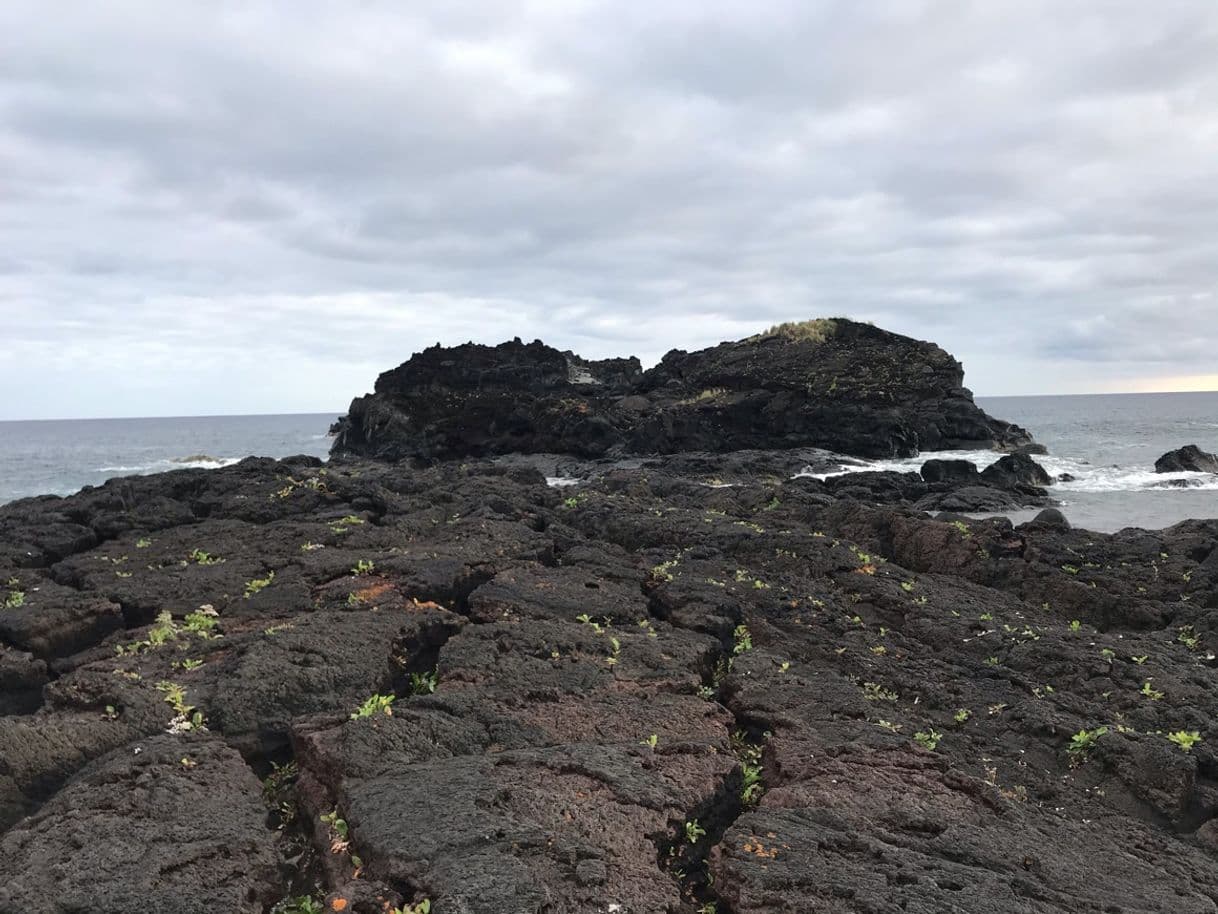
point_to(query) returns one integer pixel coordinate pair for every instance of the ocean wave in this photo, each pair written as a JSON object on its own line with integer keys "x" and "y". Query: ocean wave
{"x": 1087, "y": 477}
{"x": 559, "y": 482}
{"x": 197, "y": 462}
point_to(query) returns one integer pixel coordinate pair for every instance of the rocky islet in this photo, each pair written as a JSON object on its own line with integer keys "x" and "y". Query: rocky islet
{"x": 692, "y": 683}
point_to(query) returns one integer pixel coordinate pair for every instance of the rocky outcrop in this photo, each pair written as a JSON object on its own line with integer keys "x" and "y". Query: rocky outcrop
{"x": 836, "y": 384}
{"x": 1189, "y": 458}
{"x": 651, "y": 692}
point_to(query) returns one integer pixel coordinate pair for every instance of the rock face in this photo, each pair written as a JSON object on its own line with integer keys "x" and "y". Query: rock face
{"x": 652, "y": 693}
{"x": 1189, "y": 458}
{"x": 835, "y": 384}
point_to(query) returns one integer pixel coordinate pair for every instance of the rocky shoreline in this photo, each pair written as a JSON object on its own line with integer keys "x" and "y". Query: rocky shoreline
{"x": 692, "y": 683}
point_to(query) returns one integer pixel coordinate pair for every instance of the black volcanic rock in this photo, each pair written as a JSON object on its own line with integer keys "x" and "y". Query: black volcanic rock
{"x": 649, "y": 691}
{"x": 1016, "y": 471}
{"x": 1189, "y": 458}
{"x": 843, "y": 386}
{"x": 955, "y": 472}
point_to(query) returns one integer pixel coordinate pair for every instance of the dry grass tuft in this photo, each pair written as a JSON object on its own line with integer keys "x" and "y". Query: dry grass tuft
{"x": 813, "y": 331}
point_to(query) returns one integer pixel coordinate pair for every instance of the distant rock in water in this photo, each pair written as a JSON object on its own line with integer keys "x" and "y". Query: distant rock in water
{"x": 1016, "y": 470}
{"x": 835, "y": 384}
{"x": 1187, "y": 459}
{"x": 963, "y": 472}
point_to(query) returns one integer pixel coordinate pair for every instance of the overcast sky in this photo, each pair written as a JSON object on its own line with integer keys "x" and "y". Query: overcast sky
{"x": 249, "y": 207}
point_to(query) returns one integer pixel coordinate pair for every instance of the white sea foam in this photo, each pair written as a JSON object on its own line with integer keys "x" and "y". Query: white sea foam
{"x": 559, "y": 482}
{"x": 177, "y": 463}
{"x": 1087, "y": 478}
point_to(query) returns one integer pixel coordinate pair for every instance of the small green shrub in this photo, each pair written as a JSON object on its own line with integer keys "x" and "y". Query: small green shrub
{"x": 424, "y": 683}
{"x": 873, "y": 691}
{"x": 202, "y": 622}
{"x": 257, "y": 585}
{"x": 1185, "y": 739}
{"x": 1082, "y": 743}
{"x": 928, "y": 739}
{"x": 344, "y": 524}
{"x": 199, "y": 557}
{"x": 376, "y": 704}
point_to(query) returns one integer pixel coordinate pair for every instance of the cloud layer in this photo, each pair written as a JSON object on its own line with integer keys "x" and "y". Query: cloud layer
{"x": 257, "y": 207}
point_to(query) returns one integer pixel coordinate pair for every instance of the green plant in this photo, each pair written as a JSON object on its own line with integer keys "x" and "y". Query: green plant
{"x": 337, "y": 825}
{"x": 652, "y": 741}
{"x": 663, "y": 571}
{"x": 741, "y": 640}
{"x": 928, "y": 739}
{"x": 143, "y": 543}
{"x": 751, "y": 786}
{"x": 1185, "y": 739}
{"x": 257, "y": 585}
{"x": 873, "y": 691}
{"x": 1075, "y": 625}
{"x": 570, "y": 502}
{"x": 709, "y": 908}
{"x": 420, "y": 907}
{"x": 363, "y": 566}
{"x": 424, "y": 683}
{"x": 14, "y": 599}
{"x": 1188, "y": 637}
{"x": 962, "y": 715}
{"x": 907, "y": 586}
{"x": 188, "y": 664}
{"x": 199, "y": 557}
{"x": 962, "y": 528}
{"x": 1082, "y": 743}
{"x": 616, "y": 651}
{"x": 344, "y": 524}
{"x": 589, "y": 621}
{"x": 376, "y": 704}
{"x": 202, "y": 622}
{"x": 1070, "y": 569}
{"x": 1108, "y": 654}
{"x": 277, "y": 791}
{"x": 186, "y": 717}
{"x": 1150, "y": 691}
{"x": 300, "y": 904}
{"x": 694, "y": 831}
{"x": 1139, "y": 659}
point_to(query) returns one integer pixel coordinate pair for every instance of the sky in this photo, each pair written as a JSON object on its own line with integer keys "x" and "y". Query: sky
{"x": 211, "y": 207}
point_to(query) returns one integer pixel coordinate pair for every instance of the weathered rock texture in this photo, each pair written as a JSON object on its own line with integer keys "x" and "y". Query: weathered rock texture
{"x": 653, "y": 692}
{"x": 836, "y": 384}
{"x": 1189, "y": 458}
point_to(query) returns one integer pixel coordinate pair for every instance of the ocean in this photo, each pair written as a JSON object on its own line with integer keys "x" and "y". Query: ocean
{"x": 59, "y": 456}
{"x": 1109, "y": 443}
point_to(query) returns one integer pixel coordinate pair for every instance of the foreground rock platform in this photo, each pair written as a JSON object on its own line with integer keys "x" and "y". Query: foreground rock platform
{"x": 836, "y": 384}
{"x": 655, "y": 691}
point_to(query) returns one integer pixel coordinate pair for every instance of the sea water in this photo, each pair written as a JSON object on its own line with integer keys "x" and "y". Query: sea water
{"x": 1109, "y": 443}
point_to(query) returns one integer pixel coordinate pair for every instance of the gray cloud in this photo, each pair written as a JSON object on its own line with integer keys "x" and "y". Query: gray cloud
{"x": 245, "y": 207}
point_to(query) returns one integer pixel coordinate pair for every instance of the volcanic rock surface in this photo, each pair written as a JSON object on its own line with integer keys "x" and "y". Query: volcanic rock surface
{"x": 656, "y": 691}
{"x": 848, "y": 387}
